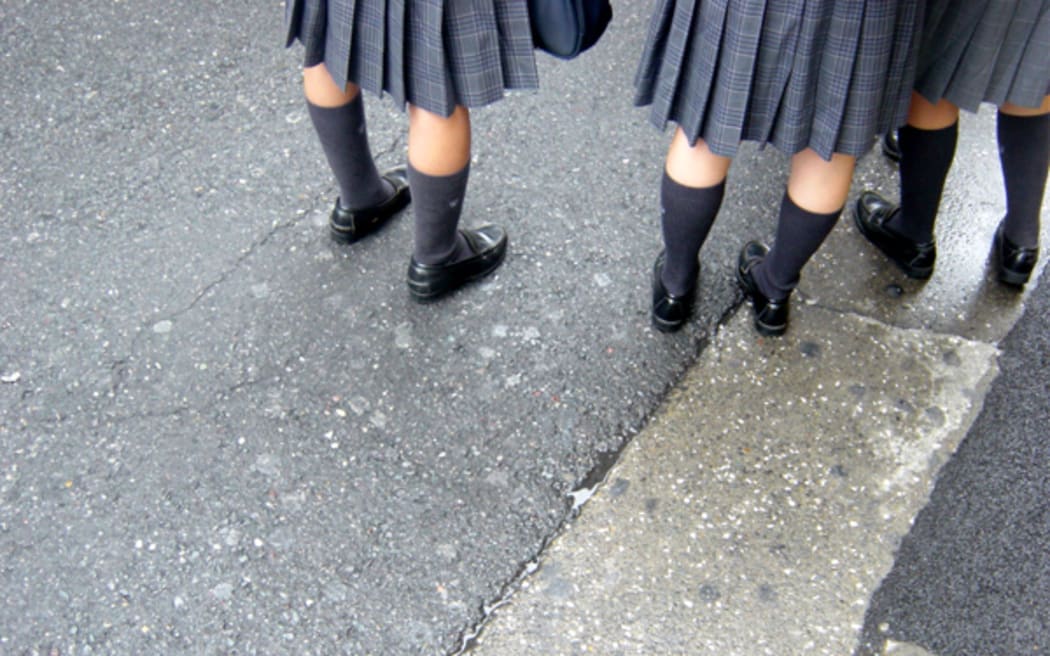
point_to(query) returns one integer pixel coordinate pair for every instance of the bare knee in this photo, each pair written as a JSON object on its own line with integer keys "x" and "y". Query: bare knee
{"x": 438, "y": 145}
{"x": 819, "y": 185}
{"x": 925, "y": 115}
{"x": 1017, "y": 110}
{"x": 695, "y": 165}
{"x": 321, "y": 90}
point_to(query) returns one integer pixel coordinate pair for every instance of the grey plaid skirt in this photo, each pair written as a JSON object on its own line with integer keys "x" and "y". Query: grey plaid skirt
{"x": 823, "y": 74}
{"x": 985, "y": 50}
{"x": 435, "y": 54}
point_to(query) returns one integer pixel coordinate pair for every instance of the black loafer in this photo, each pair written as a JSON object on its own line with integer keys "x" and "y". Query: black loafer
{"x": 348, "y": 226}
{"x": 771, "y": 316}
{"x": 872, "y": 214}
{"x": 1014, "y": 263}
{"x": 669, "y": 312}
{"x": 891, "y": 147}
{"x": 427, "y": 282}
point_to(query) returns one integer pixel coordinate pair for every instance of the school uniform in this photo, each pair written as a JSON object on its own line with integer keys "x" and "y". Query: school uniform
{"x": 435, "y": 54}
{"x": 971, "y": 52}
{"x": 984, "y": 51}
{"x": 824, "y": 74}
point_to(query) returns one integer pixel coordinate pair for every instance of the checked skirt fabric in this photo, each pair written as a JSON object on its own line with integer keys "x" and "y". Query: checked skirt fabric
{"x": 985, "y": 51}
{"x": 823, "y": 74}
{"x": 435, "y": 54}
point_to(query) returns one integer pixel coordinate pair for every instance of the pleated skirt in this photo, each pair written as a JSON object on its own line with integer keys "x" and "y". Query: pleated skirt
{"x": 993, "y": 51}
{"x": 435, "y": 54}
{"x": 823, "y": 74}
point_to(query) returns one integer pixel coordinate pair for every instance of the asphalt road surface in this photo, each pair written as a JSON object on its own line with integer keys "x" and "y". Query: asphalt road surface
{"x": 220, "y": 432}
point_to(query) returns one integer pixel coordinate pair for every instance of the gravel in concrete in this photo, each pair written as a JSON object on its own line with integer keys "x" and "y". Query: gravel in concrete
{"x": 762, "y": 506}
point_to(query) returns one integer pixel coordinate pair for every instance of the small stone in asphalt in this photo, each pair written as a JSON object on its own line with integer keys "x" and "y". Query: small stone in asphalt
{"x": 935, "y": 416}
{"x": 952, "y": 359}
{"x": 403, "y": 335}
{"x": 767, "y": 592}
{"x": 809, "y": 349}
{"x": 619, "y": 487}
{"x": 708, "y": 593}
{"x": 223, "y": 591}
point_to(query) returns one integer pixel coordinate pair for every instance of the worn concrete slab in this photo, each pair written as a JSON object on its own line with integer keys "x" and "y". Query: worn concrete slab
{"x": 973, "y": 574}
{"x": 763, "y": 504}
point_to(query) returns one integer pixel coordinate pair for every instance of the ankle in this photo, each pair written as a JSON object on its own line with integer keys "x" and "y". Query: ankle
{"x": 679, "y": 281}
{"x": 770, "y": 288}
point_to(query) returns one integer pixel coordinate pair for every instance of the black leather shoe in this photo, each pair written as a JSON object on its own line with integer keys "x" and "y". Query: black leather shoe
{"x": 669, "y": 312}
{"x": 891, "y": 147}
{"x": 350, "y": 225}
{"x": 1014, "y": 263}
{"x": 872, "y": 214}
{"x": 427, "y": 282}
{"x": 771, "y": 316}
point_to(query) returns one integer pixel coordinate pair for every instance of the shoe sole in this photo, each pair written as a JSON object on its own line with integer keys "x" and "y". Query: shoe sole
{"x": 342, "y": 236}
{"x": 1008, "y": 277}
{"x": 666, "y": 326}
{"x": 917, "y": 273}
{"x": 1013, "y": 278}
{"x": 769, "y": 331}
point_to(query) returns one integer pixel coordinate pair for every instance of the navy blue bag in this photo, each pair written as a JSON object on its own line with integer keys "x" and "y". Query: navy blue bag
{"x": 565, "y": 28}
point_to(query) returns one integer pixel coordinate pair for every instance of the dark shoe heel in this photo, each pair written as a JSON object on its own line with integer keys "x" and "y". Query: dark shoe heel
{"x": 669, "y": 312}
{"x": 767, "y": 330}
{"x": 349, "y": 226}
{"x": 771, "y": 316}
{"x": 1014, "y": 263}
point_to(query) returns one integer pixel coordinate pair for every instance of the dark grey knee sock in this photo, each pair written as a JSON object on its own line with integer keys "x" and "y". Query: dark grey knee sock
{"x": 686, "y": 216}
{"x": 344, "y": 138}
{"x": 926, "y": 156}
{"x": 1024, "y": 150}
{"x": 438, "y": 202}
{"x": 799, "y": 234}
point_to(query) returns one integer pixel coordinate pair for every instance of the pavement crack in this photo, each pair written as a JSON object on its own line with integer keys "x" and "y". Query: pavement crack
{"x": 894, "y": 326}
{"x": 120, "y": 368}
{"x": 238, "y": 386}
{"x": 247, "y": 253}
{"x": 119, "y": 374}
{"x": 165, "y": 413}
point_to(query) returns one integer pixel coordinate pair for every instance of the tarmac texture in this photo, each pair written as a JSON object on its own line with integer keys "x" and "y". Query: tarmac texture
{"x": 972, "y": 576}
{"x": 222, "y": 433}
